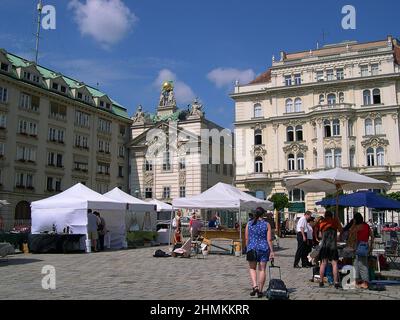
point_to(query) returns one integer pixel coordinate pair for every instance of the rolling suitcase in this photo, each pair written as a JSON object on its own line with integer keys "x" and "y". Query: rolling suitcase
{"x": 276, "y": 289}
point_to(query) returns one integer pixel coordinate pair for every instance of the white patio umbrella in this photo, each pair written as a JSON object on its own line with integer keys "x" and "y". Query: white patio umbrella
{"x": 334, "y": 180}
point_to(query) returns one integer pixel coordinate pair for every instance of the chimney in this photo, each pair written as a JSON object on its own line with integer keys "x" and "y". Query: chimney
{"x": 283, "y": 55}
{"x": 389, "y": 41}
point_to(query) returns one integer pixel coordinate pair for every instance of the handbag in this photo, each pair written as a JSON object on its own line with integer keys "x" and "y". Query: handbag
{"x": 251, "y": 255}
{"x": 362, "y": 249}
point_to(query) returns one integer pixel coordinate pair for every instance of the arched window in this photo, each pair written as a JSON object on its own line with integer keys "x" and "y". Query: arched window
{"x": 299, "y": 133}
{"x": 341, "y": 97}
{"x": 290, "y": 134}
{"x": 327, "y": 129}
{"x": 338, "y": 158}
{"x": 367, "y": 97}
{"x": 376, "y": 96}
{"x": 380, "y": 156}
{"x": 321, "y": 99}
{"x": 328, "y": 158}
{"x": 331, "y": 99}
{"x": 369, "y": 129}
{"x": 336, "y": 127}
{"x": 257, "y": 137}
{"x": 378, "y": 126}
{"x": 291, "y": 162}
{"x": 258, "y": 164}
{"x": 370, "y": 157}
{"x": 22, "y": 211}
{"x": 297, "y": 105}
{"x": 289, "y": 105}
{"x": 300, "y": 161}
{"x": 257, "y": 110}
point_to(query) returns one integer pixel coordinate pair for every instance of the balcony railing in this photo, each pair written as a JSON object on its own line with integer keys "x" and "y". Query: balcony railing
{"x": 335, "y": 106}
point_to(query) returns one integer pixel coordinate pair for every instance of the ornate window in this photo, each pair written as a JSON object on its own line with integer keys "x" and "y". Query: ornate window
{"x": 376, "y": 96}
{"x": 299, "y": 133}
{"x": 328, "y": 159}
{"x": 369, "y": 128}
{"x": 367, "y": 97}
{"x": 336, "y": 127}
{"x": 321, "y": 99}
{"x": 22, "y": 211}
{"x": 291, "y": 162}
{"x": 257, "y": 110}
{"x": 378, "y": 126}
{"x": 300, "y": 161}
{"x": 289, "y": 105}
{"x": 297, "y": 105}
{"x": 327, "y": 129}
{"x": 338, "y": 158}
{"x": 258, "y": 162}
{"x": 290, "y": 134}
{"x": 370, "y": 157}
{"x": 331, "y": 99}
{"x": 380, "y": 156}
{"x": 257, "y": 137}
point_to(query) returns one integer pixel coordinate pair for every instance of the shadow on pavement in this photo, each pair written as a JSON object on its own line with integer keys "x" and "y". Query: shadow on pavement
{"x": 16, "y": 261}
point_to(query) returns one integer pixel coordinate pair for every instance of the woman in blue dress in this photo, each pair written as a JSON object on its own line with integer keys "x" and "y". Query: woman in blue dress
{"x": 259, "y": 250}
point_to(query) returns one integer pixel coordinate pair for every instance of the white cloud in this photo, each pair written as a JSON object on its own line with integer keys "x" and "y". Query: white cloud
{"x": 107, "y": 21}
{"x": 183, "y": 92}
{"x": 226, "y": 77}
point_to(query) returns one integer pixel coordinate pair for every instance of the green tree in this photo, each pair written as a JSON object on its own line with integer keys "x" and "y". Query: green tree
{"x": 280, "y": 200}
{"x": 394, "y": 196}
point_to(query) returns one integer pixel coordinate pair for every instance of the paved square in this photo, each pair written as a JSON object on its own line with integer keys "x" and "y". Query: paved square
{"x": 135, "y": 274}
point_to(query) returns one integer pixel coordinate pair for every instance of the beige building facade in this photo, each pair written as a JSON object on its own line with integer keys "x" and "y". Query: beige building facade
{"x": 167, "y": 157}
{"x": 55, "y": 132}
{"x": 318, "y": 109}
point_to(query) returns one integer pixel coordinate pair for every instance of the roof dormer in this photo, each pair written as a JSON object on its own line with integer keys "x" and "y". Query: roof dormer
{"x": 29, "y": 73}
{"x": 103, "y": 102}
{"x": 5, "y": 64}
{"x": 58, "y": 84}
{"x": 82, "y": 94}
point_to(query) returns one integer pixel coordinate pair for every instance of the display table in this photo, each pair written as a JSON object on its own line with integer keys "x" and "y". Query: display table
{"x": 232, "y": 234}
{"x": 55, "y": 243}
{"x": 15, "y": 239}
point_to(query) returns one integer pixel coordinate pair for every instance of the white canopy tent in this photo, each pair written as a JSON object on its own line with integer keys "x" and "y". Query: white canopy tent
{"x": 69, "y": 208}
{"x": 137, "y": 210}
{"x": 161, "y": 206}
{"x": 223, "y": 196}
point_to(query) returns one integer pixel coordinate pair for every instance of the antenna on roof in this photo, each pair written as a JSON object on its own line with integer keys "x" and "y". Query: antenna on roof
{"x": 39, "y": 18}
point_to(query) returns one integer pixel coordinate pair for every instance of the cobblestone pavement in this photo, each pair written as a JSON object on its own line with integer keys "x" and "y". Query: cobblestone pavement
{"x": 135, "y": 274}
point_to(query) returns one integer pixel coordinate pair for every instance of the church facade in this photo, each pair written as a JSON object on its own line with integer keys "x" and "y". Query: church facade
{"x": 171, "y": 152}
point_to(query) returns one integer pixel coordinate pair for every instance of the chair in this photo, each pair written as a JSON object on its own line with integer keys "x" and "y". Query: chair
{"x": 185, "y": 250}
{"x": 393, "y": 253}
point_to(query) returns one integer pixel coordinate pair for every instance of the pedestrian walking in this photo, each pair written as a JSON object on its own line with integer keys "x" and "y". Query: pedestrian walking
{"x": 301, "y": 231}
{"x": 102, "y": 230}
{"x": 259, "y": 250}
{"x": 93, "y": 223}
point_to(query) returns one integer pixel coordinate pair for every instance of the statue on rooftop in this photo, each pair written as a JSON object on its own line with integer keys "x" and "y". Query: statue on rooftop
{"x": 139, "y": 115}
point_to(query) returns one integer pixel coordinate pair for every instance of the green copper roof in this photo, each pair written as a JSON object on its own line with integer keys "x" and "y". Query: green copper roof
{"x": 17, "y": 62}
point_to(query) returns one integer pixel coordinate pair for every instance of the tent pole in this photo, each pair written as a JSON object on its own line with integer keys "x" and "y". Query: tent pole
{"x": 170, "y": 227}
{"x": 240, "y": 230}
{"x": 337, "y": 201}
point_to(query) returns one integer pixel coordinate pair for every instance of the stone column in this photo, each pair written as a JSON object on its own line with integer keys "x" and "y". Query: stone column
{"x": 320, "y": 144}
{"x": 344, "y": 121}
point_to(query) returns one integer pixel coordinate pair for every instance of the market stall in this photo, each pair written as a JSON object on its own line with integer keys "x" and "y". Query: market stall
{"x": 164, "y": 221}
{"x": 223, "y": 197}
{"x": 68, "y": 211}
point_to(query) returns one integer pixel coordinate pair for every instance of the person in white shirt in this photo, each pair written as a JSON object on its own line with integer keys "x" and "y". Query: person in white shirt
{"x": 301, "y": 231}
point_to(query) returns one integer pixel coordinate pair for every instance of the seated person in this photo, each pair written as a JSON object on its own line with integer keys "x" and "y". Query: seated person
{"x": 213, "y": 222}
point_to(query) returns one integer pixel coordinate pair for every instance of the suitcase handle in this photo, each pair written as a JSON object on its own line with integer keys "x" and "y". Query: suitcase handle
{"x": 276, "y": 267}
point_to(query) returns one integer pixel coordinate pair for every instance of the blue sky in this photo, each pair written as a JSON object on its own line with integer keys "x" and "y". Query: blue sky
{"x": 128, "y": 47}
